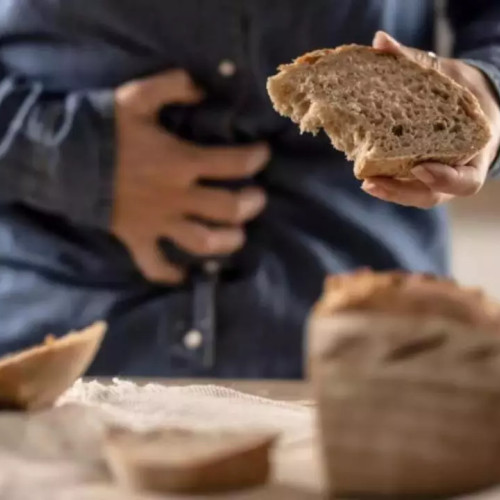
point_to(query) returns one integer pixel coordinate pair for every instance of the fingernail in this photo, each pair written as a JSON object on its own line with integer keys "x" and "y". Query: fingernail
{"x": 369, "y": 184}
{"x": 264, "y": 153}
{"x": 259, "y": 158}
{"x": 381, "y": 37}
{"x": 423, "y": 174}
{"x": 254, "y": 199}
{"x": 372, "y": 188}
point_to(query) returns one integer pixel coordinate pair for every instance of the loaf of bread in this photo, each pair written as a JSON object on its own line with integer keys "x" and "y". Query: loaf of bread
{"x": 406, "y": 372}
{"x": 183, "y": 461}
{"x": 400, "y": 293}
{"x": 386, "y": 112}
{"x": 34, "y": 378}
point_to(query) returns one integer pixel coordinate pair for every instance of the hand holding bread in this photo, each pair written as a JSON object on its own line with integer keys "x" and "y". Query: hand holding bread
{"x": 420, "y": 129}
{"x": 437, "y": 182}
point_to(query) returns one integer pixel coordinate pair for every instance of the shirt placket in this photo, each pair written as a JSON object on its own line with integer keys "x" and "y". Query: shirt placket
{"x": 222, "y": 47}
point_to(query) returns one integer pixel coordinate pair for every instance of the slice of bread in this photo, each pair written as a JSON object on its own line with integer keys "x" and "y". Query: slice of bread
{"x": 183, "y": 461}
{"x": 386, "y": 112}
{"x": 34, "y": 378}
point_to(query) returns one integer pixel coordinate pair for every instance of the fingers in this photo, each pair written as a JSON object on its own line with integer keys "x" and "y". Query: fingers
{"x": 407, "y": 193}
{"x": 202, "y": 240}
{"x": 230, "y": 163}
{"x": 223, "y": 206}
{"x": 153, "y": 265}
{"x": 386, "y": 43}
{"x": 459, "y": 181}
{"x": 147, "y": 95}
{"x": 435, "y": 184}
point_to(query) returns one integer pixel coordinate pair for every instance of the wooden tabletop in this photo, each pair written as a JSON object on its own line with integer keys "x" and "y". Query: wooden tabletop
{"x": 51, "y": 433}
{"x": 297, "y": 471}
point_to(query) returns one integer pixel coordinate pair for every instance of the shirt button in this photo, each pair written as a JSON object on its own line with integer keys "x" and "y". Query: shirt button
{"x": 227, "y": 68}
{"x": 193, "y": 339}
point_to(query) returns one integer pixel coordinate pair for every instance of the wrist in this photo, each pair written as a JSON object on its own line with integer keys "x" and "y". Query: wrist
{"x": 492, "y": 76}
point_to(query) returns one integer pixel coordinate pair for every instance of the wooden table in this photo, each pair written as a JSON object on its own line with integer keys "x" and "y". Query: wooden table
{"x": 292, "y": 391}
{"x": 54, "y": 429}
{"x": 297, "y": 466}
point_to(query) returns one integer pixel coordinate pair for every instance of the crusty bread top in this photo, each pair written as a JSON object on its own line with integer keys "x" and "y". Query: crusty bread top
{"x": 408, "y": 294}
{"x": 386, "y": 112}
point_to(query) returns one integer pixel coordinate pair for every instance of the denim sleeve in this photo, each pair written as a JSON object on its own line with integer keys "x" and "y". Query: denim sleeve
{"x": 476, "y": 24}
{"x": 56, "y": 150}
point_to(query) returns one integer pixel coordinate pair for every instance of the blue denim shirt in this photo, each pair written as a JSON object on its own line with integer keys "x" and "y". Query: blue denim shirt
{"x": 60, "y": 268}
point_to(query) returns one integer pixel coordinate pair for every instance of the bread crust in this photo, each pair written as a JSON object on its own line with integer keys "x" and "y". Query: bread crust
{"x": 171, "y": 460}
{"x": 400, "y": 293}
{"x": 34, "y": 378}
{"x": 405, "y": 369}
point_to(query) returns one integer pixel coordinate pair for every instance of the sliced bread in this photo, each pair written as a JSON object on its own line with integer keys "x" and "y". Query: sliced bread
{"x": 34, "y": 378}
{"x": 386, "y": 112}
{"x": 184, "y": 461}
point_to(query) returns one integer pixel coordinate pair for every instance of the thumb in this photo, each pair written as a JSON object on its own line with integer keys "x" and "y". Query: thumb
{"x": 386, "y": 43}
{"x": 147, "y": 95}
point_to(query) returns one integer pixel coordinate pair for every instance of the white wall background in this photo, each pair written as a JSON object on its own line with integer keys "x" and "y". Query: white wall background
{"x": 476, "y": 239}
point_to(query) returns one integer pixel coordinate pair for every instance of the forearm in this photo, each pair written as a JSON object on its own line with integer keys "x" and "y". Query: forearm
{"x": 56, "y": 151}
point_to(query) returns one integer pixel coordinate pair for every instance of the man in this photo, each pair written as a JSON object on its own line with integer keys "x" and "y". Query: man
{"x": 124, "y": 122}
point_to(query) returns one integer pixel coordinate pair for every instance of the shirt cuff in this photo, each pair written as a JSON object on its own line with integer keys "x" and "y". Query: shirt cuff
{"x": 493, "y": 73}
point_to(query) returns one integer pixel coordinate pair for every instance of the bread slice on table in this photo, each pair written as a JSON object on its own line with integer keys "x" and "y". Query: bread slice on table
{"x": 386, "y": 112}
{"x": 33, "y": 379}
{"x": 184, "y": 461}
{"x": 406, "y": 372}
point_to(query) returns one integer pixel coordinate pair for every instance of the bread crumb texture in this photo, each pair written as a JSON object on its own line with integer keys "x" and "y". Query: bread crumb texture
{"x": 386, "y": 112}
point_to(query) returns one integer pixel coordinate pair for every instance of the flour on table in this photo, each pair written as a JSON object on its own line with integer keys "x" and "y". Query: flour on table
{"x": 203, "y": 407}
